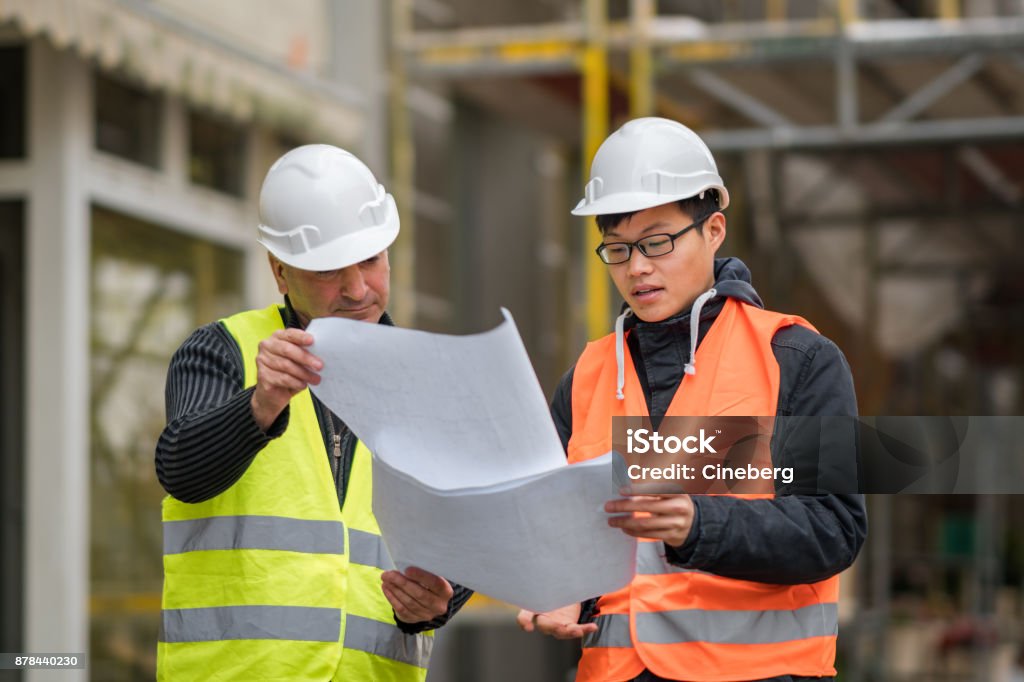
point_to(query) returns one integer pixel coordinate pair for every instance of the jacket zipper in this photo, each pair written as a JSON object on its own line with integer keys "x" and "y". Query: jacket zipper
{"x": 343, "y": 444}
{"x": 337, "y": 459}
{"x": 335, "y": 454}
{"x": 337, "y": 445}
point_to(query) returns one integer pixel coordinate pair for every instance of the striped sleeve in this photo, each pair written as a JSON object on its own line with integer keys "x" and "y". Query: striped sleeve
{"x": 211, "y": 436}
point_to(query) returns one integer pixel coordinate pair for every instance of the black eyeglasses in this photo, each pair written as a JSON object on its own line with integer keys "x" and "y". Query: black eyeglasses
{"x": 613, "y": 253}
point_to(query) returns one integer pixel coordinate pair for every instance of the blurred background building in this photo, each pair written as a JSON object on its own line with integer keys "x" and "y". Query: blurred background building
{"x": 874, "y": 150}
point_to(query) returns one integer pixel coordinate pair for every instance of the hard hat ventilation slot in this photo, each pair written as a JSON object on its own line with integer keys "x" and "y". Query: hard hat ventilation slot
{"x": 375, "y": 212}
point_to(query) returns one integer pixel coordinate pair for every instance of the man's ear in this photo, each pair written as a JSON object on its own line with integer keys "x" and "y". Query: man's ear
{"x": 715, "y": 230}
{"x": 277, "y": 267}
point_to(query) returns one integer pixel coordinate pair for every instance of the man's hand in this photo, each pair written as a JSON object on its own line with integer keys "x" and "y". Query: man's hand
{"x": 283, "y": 368}
{"x": 662, "y": 517}
{"x": 416, "y": 595}
{"x": 560, "y": 623}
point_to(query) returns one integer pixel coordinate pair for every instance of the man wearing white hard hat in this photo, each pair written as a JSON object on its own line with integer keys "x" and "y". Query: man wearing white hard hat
{"x": 274, "y": 567}
{"x": 727, "y": 588}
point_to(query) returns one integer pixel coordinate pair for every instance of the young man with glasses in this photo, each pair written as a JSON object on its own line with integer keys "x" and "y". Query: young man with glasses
{"x": 727, "y": 588}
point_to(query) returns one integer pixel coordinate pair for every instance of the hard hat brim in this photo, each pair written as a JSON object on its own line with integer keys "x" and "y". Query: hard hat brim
{"x": 342, "y": 252}
{"x": 638, "y": 201}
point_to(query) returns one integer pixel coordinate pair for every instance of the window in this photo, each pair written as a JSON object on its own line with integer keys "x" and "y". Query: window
{"x": 150, "y": 288}
{"x": 127, "y": 120}
{"x": 12, "y": 94}
{"x": 216, "y": 153}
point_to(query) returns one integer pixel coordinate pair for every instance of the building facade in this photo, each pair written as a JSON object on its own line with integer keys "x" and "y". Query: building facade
{"x": 133, "y": 139}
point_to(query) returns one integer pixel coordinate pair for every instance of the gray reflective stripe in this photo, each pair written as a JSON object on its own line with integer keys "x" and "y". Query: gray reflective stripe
{"x": 650, "y": 560}
{"x": 303, "y": 623}
{"x": 386, "y": 640}
{"x": 612, "y": 630}
{"x": 737, "y": 627}
{"x": 369, "y": 550}
{"x": 254, "y": 532}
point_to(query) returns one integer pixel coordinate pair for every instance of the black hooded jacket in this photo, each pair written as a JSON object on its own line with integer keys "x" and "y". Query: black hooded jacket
{"x": 793, "y": 538}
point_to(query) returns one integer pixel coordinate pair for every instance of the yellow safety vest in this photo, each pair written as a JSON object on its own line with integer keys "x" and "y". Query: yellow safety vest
{"x": 270, "y": 580}
{"x": 375, "y": 649}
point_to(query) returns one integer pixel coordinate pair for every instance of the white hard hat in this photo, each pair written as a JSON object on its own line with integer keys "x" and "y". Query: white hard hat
{"x": 322, "y": 209}
{"x": 649, "y": 162}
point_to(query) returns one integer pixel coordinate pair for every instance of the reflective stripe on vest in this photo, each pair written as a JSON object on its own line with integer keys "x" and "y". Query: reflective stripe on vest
{"x": 255, "y": 578}
{"x": 737, "y": 627}
{"x": 384, "y": 652}
{"x": 373, "y": 637}
{"x": 689, "y": 624}
{"x": 254, "y": 532}
{"x": 251, "y": 622}
{"x": 368, "y": 549}
{"x": 612, "y": 631}
{"x": 719, "y": 627}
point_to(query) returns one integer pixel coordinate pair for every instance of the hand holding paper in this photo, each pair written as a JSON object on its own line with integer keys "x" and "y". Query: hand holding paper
{"x": 416, "y": 595}
{"x": 470, "y": 480}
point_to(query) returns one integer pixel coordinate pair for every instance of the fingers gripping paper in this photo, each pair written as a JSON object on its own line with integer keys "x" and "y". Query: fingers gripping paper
{"x": 469, "y": 478}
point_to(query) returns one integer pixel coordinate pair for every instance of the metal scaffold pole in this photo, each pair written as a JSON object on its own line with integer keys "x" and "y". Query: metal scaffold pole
{"x": 641, "y": 62}
{"x": 403, "y": 264}
{"x": 594, "y": 69}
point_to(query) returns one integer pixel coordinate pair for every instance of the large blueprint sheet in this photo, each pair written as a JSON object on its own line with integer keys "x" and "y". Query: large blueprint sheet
{"x": 470, "y": 480}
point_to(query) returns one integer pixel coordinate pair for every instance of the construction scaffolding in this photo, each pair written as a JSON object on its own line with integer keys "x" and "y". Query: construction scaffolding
{"x": 880, "y": 149}
{"x": 789, "y": 80}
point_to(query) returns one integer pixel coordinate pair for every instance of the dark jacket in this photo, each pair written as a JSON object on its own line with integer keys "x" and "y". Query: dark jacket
{"x": 791, "y": 539}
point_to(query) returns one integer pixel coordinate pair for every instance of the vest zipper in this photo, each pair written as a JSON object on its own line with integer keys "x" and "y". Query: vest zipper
{"x": 337, "y": 459}
{"x": 335, "y": 438}
{"x": 344, "y": 445}
{"x": 339, "y": 442}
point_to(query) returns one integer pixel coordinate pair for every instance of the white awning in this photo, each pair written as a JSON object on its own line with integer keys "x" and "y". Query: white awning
{"x": 167, "y": 54}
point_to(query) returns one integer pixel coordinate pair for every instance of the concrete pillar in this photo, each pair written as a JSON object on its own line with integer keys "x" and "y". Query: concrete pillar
{"x": 57, "y": 344}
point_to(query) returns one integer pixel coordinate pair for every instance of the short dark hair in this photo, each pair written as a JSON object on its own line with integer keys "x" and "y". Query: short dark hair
{"x": 695, "y": 207}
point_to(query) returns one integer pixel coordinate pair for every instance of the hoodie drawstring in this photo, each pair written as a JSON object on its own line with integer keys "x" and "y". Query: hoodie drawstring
{"x": 691, "y": 366}
{"x": 620, "y": 353}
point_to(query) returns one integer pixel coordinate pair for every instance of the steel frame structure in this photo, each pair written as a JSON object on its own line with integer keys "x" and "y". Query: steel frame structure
{"x": 851, "y": 45}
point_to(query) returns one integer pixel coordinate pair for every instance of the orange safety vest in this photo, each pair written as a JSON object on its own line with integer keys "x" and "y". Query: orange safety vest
{"x": 685, "y": 624}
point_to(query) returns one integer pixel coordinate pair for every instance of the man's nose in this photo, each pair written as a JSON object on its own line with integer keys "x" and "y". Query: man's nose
{"x": 639, "y": 264}
{"x": 353, "y": 284}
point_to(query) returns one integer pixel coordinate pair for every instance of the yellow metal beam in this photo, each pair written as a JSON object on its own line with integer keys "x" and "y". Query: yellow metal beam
{"x": 776, "y": 10}
{"x": 594, "y": 69}
{"x": 849, "y": 12}
{"x": 641, "y": 63}
{"x": 124, "y": 603}
{"x": 540, "y": 51}
{"x": 511, "y": 53}
{"x": 949, "y": 10}
{"x": 403, "y": 263}
{"x": 704, "y": 51}
{"x": 451, "y": 54}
